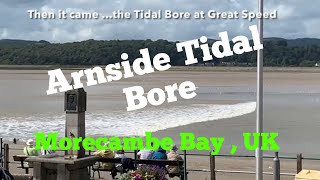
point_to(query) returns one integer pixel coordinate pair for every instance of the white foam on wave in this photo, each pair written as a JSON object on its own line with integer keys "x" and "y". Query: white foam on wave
{"x": 123, "y": 123}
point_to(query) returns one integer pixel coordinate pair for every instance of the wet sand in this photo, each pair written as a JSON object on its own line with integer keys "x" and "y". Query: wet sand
{"x": 27, "y": 86}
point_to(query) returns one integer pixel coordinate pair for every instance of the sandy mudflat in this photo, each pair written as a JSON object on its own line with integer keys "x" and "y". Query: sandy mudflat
{"x": 109, "y": 96}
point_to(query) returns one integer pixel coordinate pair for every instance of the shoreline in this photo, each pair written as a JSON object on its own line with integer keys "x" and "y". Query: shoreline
{"x": 173, "y": 68}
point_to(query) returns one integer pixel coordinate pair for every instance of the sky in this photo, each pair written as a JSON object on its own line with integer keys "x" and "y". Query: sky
{"x": 296, "y": 19}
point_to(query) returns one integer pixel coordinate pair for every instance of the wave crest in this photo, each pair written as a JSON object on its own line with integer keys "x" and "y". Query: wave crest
{"x": 124, "y": 123}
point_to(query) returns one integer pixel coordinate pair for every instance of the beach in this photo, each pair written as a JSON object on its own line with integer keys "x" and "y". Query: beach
{"x": 224, "y": 106}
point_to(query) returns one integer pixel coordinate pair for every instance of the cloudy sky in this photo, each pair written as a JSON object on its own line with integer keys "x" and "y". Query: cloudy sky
{"x": 296, "y": 19}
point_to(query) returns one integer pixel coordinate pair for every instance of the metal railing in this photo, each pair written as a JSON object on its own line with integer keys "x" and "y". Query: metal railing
{"x": 1, "y": 152}
{"x": 212, "y": 162}
{"x": 276, "y": 167}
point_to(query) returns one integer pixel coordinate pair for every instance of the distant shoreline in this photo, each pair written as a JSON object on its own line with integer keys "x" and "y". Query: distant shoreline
{"x": 173, "y": 68}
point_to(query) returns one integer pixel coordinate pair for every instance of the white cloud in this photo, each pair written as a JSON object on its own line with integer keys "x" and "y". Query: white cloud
{"x": 284, "y": 12}
{"x": 296, "y": 19}
{"x": 4, "y": 33}
{"x": 84, "y": 1}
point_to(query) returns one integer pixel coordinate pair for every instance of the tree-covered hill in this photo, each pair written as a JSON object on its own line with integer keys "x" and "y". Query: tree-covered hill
{"x": 277, "y": 52}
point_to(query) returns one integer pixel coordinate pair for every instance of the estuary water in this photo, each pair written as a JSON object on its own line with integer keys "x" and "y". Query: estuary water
{"x": 292, "y": 104}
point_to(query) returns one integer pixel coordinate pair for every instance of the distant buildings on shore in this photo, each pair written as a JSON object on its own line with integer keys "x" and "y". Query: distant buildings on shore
{"x": 317, "y": 64}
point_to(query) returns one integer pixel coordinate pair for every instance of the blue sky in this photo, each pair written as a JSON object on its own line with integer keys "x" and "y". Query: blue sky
{"x": 296, "y": 19}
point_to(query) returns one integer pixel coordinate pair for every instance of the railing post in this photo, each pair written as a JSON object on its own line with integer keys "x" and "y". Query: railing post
{"x": 135, "y": 158}
{"x": 6, "y": 157}
{"x": 1, "y": 151}
{"x": 185, "y": 173}
{"x": 299, "y": 162}
{"x": 276, "y": 167}
{"x": 1, "y": 145}
{"x": 212, "y": 166}
{"x": 90, "y": 166}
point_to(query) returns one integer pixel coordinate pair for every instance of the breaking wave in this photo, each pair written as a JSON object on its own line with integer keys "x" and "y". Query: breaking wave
{"x": 133, "y": 123}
